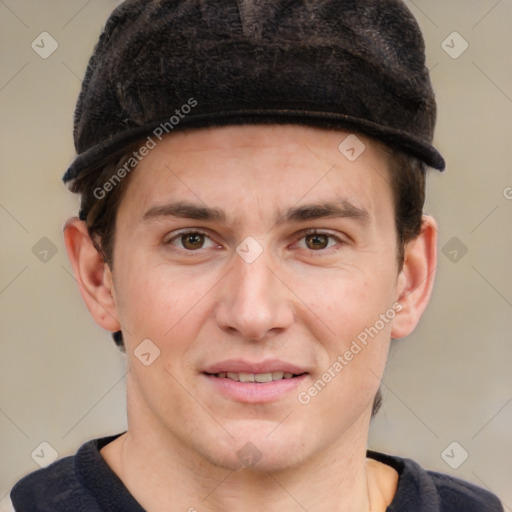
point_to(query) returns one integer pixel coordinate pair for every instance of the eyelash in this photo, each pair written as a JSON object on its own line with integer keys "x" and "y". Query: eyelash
{"x": 302, "y": 234}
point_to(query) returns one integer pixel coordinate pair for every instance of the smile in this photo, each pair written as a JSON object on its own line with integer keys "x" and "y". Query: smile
{"x": 254, "y": 377}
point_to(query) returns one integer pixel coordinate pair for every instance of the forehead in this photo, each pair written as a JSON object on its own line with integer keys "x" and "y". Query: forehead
{"x": 248, "y": 169}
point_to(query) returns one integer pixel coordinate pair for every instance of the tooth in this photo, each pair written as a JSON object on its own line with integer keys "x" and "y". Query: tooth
{"x": 221, "y": 375}
{"x": 263, "y": 377}
{"x": 246, "y": 377}
{"x": 288, "y": 375}
{"x": 277, "y": 375}
{"x": 232, "y": 375}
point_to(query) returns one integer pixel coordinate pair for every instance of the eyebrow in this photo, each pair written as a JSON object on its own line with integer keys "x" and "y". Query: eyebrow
{"x": 185, "y": 210}
{"x": 342, "y": 208}
{"x": 319, "y": 210}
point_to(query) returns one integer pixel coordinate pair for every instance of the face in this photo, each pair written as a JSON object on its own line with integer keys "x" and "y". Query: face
{"x": 262, "y": 265}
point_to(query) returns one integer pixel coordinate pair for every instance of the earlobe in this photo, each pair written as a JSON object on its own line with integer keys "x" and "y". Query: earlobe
{"x": 92, "y": 274}
{"x": 416, "y": 279}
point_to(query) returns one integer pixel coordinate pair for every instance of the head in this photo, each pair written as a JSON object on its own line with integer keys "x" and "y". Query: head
{"x": 247, "y": 241}
{"x": 305, "y": 301}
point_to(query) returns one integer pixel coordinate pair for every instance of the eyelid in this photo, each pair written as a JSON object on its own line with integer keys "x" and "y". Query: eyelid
{"x": 170, "y": 237}
{"x": 340, "y": 241}
{"x": 317, "y": 231}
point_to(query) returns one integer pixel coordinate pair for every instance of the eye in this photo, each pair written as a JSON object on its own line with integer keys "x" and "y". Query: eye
{"x": 317, "y": 240}
{"x": 191, "y": 241}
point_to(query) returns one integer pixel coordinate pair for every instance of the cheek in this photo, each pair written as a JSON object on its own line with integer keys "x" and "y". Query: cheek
{"x": 355, "y": 346}
{"x": 347, "y": 303}
{"x": 157, "y": 300}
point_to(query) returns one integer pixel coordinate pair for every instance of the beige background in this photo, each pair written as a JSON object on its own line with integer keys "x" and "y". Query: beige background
{"x": 62, "y": 379}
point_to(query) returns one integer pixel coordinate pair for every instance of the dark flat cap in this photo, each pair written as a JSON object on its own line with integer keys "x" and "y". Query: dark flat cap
{"x": 165, "y": 65}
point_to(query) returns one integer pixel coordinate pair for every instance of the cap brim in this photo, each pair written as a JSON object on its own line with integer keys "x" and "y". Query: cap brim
{"x": 393, "y": 137}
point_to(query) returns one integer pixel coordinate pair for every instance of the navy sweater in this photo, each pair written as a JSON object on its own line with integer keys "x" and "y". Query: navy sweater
{"x": 85, "y": 483}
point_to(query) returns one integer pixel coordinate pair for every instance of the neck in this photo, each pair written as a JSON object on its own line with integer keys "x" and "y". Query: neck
{"x": 158, "y": 473}
{"x": 158, "y": 479}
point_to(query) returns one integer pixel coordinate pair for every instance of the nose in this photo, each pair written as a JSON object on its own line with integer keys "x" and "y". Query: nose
{"x": 254, "y": 303}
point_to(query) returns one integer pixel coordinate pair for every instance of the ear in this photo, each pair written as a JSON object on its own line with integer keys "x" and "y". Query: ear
{"x": 416, "y": 278}
{"x": 92, "y": 274}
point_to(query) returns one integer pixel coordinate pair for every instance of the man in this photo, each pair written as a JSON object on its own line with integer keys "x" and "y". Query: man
{"x": 252, "y": 181}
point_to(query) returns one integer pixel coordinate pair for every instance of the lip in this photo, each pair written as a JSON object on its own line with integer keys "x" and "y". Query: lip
{"x": 239, "y": 365}
{"x": 252, "y": 392}
{"x": 255, "y": 392}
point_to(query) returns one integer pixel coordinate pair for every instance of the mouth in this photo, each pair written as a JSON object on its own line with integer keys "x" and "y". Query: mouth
{"x": 255, "y": 377}
{"x": 255, "y": 383}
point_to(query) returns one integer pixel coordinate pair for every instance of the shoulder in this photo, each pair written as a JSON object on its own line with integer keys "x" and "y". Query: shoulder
{"x": 457, "y": 494}
{"x": 420, "y": 490}
{"x": 65, "y": 484}
{"x": 54, "y": 489}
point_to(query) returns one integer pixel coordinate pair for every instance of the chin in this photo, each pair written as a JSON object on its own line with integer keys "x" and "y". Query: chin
{"x": 252, "y": 459}
{"x": 258, "y": 450}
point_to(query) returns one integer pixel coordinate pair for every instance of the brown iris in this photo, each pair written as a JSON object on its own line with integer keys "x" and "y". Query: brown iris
{"x": 317, "y": 241}
{"x": 192, "y": 240}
